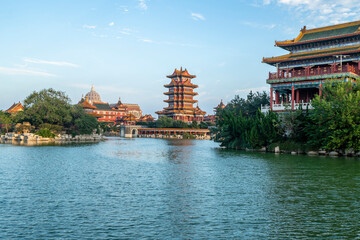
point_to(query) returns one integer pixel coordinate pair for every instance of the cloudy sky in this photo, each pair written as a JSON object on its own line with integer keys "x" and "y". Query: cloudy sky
{"x": 127, "y": 47}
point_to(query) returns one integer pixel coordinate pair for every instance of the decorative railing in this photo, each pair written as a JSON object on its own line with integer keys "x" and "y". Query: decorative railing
{"x": 313, "y": 71}
{"x": 285, "y": 106}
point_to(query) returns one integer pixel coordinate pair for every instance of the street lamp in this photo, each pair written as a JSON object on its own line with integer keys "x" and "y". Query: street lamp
{"x": 341, "y": 56}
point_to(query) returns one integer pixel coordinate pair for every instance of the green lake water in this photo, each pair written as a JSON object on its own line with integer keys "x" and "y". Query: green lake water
{"x": 174, "y": 189}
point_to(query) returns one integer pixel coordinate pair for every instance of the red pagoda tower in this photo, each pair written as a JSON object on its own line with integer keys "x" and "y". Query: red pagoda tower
{"x": 181, "y": 94}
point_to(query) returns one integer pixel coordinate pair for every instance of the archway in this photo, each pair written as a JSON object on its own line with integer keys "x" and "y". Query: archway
{"x": 134, "y": 132}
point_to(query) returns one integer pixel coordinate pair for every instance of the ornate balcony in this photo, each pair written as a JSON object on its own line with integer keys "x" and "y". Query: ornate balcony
{"x": 315, "y": 71}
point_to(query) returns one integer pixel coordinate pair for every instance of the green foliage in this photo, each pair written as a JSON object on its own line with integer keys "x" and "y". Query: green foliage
{"x": 6, "y": 120}
{"x": 46, "y": 133}
{"x": 85, "y": 124}
{"x": 205, "y": 125}
{"x": 179, "y": 124}
{"x": 53, "y": 128}
{"x": 47, "y": 106}
{"x": 164, "y": 122}
{"x": 249, "y": 106}
{"x": 167, "y": 122}
{"x": 194, "y": 125}
{"x": 188, "y": 136}
{"x": 250, "y": 130}
{"x": 335, "y": 121}
{"x": 50, "y": 110}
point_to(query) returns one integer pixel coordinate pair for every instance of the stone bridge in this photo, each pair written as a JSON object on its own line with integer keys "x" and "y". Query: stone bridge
{"x": 129, "y": 131}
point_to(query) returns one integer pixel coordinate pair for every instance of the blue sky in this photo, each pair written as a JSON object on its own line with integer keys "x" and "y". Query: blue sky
{"x": 127, "y": 47}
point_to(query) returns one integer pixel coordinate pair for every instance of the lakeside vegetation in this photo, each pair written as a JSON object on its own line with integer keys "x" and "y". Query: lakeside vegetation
{"x": 50, "y": 112}
{"x": 332, "y": 124}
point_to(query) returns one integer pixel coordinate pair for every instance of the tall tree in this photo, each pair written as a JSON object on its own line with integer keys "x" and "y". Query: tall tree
{"x": 47, "y": 106}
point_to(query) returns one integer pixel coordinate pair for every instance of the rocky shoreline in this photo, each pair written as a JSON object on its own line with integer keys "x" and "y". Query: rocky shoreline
{"x": 33, "y": 139}
{"x": 277, "y": 150}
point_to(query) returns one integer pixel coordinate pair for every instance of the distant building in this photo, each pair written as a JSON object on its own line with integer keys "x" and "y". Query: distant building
{"x": 147, "y": 118}
{"x": 212, "y": 118}
{"x": 181, "y": 94}
{"x": 16, "y": 107}
{"x": 111, "y": 113}
{"x": 315, "y": 57}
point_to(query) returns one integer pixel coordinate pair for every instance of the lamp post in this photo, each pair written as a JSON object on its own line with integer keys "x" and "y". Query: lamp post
{"x": 341, "y": 56}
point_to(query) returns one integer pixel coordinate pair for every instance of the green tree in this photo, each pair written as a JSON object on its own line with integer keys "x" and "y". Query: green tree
{"x": 85, "y": 124}
{"x": 47, "y": 106}
{"x": 6, "y": 120}
{"x": 164, "y": 122}
{"x": 335, "y": 119}
{"x": 241, "y": 124}
{"x": 194, "y": 125}
{"x": 250, "y": 105}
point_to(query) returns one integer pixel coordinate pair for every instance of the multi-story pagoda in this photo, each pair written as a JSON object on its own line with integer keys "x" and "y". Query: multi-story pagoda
{"x": 316, "y": 56}
{"x": 181, "y": 98}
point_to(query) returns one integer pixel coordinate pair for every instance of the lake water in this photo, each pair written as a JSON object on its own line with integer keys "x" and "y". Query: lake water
{"x": 174, "y": 189}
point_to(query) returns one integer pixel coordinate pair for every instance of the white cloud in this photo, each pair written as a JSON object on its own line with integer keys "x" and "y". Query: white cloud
{"x": 247, "y": 90}
{"x": 147, "y": 40}
{"x": 38, "y": 61}
{"x": 21, "y": 71}
{"x": 321, "y": 12}
{"x": 89, "y": 26}
{"x": 111, "y": 24}
{"x": 127, "y": 31}
{"x": 142, "y": 4}
{"x": 197, "y": 16}
{"x": 258, "y": 25}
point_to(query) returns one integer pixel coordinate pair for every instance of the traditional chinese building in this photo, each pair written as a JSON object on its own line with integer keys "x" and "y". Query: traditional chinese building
{"x": 16, "y": 107}
{"x": 147, "y": 118}
{"x": 315, "y": 56}
{"x": 111, "y": 113}
{"x": 212, "y": 118}
{"x": 181, "y": 98}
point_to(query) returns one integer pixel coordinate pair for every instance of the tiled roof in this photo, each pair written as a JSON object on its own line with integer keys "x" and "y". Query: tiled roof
{"x": 102, "y": 106}
{"x": 178, "y": 73}
{"x": 313, "y": 54}
{"x": 15, "y": 108}
{"x": 334, "y": 31}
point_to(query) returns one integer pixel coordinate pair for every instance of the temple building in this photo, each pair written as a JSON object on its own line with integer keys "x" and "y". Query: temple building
{"x": 315, "y": 56}
{"x": 212, "y": 118}
{"x": 16, "y": 107}
{"x": 111, "y": 113}
{"x": 181, "y": 94}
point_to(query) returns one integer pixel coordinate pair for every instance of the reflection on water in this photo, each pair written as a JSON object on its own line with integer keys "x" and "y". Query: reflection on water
{"x": 159, "y": 188}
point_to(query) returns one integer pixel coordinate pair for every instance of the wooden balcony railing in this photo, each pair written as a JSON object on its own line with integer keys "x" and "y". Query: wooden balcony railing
{"x": 313, "y": 71}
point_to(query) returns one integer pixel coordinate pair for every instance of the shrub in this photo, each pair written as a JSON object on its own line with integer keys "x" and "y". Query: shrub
{"x": 46, "y": 133}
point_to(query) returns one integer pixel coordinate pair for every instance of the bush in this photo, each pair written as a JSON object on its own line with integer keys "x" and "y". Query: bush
{"x": 46, "y": 133}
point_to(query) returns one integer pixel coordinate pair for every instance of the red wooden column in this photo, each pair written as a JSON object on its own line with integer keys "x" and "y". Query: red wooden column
{"x": 297, "y": 95}
{"x": 292, "y": 97}
{"x": 276, "y": 97}
{"x": 271, "y": 98}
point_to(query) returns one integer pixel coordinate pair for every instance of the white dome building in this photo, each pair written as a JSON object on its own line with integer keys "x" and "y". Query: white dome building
{"x": 93, "y": 96}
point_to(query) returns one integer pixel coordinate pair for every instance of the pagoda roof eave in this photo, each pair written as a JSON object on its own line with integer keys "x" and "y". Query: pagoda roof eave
{"x": 322, "y": 33}
{"x": 313, "y": 54}
{"x": 284, "y": 45}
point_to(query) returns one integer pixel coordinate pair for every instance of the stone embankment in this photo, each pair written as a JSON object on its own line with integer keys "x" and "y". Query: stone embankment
{"x": 33, "y": 138}
{"x": 347, "y": 153}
